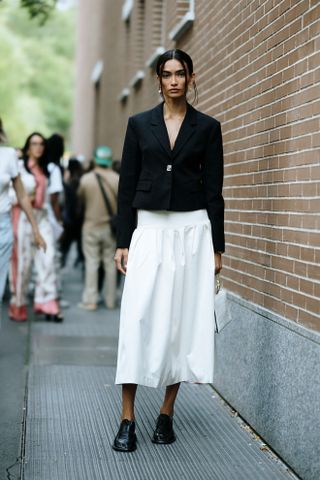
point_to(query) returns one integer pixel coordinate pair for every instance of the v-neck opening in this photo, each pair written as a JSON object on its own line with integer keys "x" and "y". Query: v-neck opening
{"x": 179, "y": 131}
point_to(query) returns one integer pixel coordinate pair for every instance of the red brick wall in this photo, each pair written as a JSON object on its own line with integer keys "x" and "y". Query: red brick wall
{"x": 257, "y": 65}
{"x": 259, "y": 75}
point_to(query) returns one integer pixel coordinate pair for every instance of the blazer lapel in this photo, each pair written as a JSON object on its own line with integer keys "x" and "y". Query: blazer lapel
{"x": 187, "y": 129}
{"x": 159, "y": 129}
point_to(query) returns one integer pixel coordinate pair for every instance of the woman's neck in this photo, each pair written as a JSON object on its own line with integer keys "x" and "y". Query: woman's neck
{"x": 174, "y": 108}
{"x": 32, "y": 161}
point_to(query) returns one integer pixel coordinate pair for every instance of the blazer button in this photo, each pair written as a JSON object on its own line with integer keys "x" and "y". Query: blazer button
{"x": 169, "y": 168}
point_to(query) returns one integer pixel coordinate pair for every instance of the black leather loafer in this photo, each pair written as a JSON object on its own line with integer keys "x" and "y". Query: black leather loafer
{"x": 58, "y": 318}
{"x": 126, "y": 439}
{"x": 164, "y": 430}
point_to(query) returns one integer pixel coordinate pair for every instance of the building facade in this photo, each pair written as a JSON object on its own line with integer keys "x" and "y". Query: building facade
{"x": 257, "y": 65}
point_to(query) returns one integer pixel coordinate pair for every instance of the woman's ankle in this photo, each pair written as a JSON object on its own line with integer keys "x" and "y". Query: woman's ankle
{"x": 130, "y": 418}
{"x": 167, "y": 411}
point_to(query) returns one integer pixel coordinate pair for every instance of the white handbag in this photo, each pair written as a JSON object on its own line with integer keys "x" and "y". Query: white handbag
{"x": 222, "y": 313}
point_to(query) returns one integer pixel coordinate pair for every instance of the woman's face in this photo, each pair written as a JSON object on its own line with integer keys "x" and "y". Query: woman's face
{"x": 173, "y": 79}
{"x": 36, "y": 147}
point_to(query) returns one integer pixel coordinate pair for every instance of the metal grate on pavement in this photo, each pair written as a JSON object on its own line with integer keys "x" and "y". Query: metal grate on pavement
{"x": 73, "y": 415}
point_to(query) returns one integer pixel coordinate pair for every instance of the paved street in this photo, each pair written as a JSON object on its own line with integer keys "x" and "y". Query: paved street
{"x": 71, "y": 411}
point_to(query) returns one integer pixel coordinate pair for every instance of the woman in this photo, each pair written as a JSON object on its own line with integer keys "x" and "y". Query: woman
{"x": 9, "y": 172}
{"x": 46, "y": 296}
{"x": 54, "y": 154}
{"x": 171, "y": 175}
{"x": 72, "y": 212}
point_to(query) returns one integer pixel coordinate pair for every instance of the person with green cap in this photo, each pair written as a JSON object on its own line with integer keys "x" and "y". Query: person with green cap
{"x": 98, "y": 195}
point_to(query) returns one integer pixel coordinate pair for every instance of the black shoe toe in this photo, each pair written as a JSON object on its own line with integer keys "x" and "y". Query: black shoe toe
{"x": 164, "y": 433}
{"x": 126, "y": 440}
{"x": 58, "y": 318}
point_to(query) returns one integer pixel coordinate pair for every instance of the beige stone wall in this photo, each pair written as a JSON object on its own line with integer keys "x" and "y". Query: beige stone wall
{"x": 90, "y": 45}
{"x": 257, "y": 66}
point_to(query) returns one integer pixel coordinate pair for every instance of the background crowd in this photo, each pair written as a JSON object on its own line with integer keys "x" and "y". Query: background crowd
{"x": 48, "y": 202}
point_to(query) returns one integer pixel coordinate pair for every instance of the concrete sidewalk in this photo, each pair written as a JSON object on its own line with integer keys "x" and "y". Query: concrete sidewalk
{"x": 73, "y": 407}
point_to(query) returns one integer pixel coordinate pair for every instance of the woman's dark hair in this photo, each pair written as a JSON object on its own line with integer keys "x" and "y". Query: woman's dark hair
{"x": 187, "y": 65}
{"x": 43, "y": 163}
{"x": 55, "y": 148}
{"x": 75, "y": 167}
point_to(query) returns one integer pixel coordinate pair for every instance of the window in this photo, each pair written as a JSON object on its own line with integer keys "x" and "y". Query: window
{"x": 157, "y": 40}
{"x": 186, "y": 16}
{"x": 138, "y": 43}
{"x": 127, "y": 9}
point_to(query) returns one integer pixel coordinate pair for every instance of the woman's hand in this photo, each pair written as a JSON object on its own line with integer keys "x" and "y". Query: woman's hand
{"x": 121, "y": 259}
{"x": 217, "y": 262}
{"x": 24, "y": 202}
{"x": 39, "y": 241}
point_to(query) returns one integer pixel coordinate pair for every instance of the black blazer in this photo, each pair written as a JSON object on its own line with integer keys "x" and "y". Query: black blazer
{"x": 154, "y": 177}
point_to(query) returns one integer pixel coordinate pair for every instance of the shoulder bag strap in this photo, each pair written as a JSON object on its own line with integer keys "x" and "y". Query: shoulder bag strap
{"x": 111, "y": 189}
{"x": 105, "y": 197}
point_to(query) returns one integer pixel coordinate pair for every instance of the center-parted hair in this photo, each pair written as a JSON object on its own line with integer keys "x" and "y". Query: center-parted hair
{"x": 186, "y": 63}
{"x": 43, "y": 162}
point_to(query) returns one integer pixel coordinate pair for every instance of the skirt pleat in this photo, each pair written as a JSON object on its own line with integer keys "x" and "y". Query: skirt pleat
{"x": 166, "y": 330}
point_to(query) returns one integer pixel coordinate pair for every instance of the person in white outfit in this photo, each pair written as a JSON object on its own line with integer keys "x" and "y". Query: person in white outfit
{"x": 9, "y": 174}
{"x": 46, "y": 294}
{"x": 169, "y": 244}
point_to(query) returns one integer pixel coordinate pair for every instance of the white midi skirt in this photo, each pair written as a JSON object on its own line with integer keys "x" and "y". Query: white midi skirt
{"x": 166, "y": 330}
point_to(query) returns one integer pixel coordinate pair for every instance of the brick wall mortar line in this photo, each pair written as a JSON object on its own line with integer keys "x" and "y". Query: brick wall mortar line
{"x": 267, "y": 117}
{"x": 304, "y": 197}
{"x": 287, "y": 54}
{"x": 258, "y": 59}
{"x": 257, "y": 135}
{"x": 244, "y": 273}
{"x": 252, "y": 289}
{"x": 311, "y": 297}
{"x": 311, "y": 166}
{"x": 265, "y": 65}
{"x": 269, "y": 157}
{"x": 288, "y": 289}
{"x": 276, "y": 212}
{"x": 230, "y": 187}
{"x": 263, "y": 119}
{"x": 237, "y": 26}
{"x": 256, "y": 97}
{"x": 293, "y": 259}
{"x": 257, "y": 224}
{"x": 254, "y": 237}
{"x": 226, "y": 24}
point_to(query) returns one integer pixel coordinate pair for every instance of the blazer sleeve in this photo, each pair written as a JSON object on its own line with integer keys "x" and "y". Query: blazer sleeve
{"x": 213, "y": 183}
{"x": 129, "y": 174}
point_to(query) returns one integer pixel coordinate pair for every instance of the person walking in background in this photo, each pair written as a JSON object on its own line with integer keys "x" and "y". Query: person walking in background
{"x": 54, "y": 154}
{"x": 98, "y": 188}
{"x": 72, "y": 214}
{"x": 46, "y": 296}
{"x": 171, "y": 177}
{"x": 9, "y": 172}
